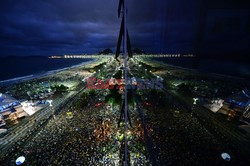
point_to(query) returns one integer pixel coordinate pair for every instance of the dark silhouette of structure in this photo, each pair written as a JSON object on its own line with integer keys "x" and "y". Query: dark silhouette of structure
{"x": 121, "y": 34}
{"x": 122, "y": 9}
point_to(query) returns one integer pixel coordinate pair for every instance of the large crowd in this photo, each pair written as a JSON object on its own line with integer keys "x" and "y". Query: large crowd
{"x": 68, "y": 140}
{"x": 180, "y": 137}
{"x": 90, "y": 136}
{"x": 87, "y": 136}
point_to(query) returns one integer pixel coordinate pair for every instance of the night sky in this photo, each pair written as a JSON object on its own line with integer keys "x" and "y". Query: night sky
{"x": 52, "y": 27}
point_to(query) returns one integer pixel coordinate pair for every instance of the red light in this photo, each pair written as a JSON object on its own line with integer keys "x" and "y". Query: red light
{"x": 148, "y": 104}
{"x": 99, "y": 104}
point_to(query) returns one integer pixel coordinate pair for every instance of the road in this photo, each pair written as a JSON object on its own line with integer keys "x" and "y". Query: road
{"x": 22, "y": 130}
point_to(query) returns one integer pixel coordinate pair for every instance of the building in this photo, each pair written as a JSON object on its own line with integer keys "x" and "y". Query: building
{"x": 238, "y": 104}
{"x": 214, "y": 105}
{"x": 10, "y": 109}
{"x": 2, "y": 121}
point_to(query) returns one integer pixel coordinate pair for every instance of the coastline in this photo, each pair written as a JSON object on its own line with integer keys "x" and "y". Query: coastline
{"x": 39, "y": 75}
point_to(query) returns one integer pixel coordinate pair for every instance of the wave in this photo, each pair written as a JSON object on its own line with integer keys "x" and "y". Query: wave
{"x": 17, "y": 78}
{"x": 33, "y": 76}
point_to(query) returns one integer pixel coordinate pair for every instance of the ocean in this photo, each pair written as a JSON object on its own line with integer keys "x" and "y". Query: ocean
{"x": 211, "y": 66}
{"x": 15, "y": 68}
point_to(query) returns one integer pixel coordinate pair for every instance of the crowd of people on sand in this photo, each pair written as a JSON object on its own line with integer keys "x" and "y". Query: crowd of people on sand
{"x": 76, "y": 137}
{"x": 180, "y": 137}
{"x": 69, "y": 140}
{"x": 89, "y": 137}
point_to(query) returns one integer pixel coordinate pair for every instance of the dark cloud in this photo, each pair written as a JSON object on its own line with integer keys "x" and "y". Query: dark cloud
{"x": 52, "y": 27}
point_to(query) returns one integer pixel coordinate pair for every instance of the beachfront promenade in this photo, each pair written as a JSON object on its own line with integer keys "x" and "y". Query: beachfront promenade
{"x": 26, "y": 128}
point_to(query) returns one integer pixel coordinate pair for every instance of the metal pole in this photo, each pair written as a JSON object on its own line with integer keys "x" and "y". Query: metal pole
{"x": 125, "y": 76}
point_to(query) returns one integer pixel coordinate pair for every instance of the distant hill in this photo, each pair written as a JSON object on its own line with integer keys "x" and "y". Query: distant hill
{"x": 138, "y": 51}
{"x": 106, "y": 52}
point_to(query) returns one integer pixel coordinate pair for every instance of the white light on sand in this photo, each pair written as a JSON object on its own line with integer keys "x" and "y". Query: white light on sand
{"x": 226, "y": 156}
{"x": 50, "y": 102}
{"x": 195, "y": 101}
{"x": 20, "y": 160}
